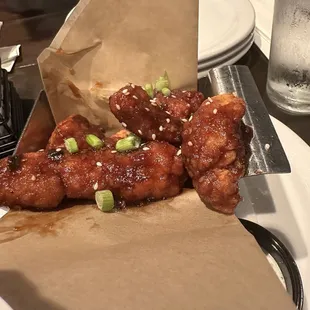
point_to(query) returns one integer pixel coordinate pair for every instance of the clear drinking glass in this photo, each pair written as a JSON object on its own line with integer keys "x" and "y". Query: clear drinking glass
{"x": 288, "y": 82}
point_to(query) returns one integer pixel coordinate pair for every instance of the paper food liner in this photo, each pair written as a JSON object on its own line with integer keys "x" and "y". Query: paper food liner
{"x": 172, "y": 254}
{"x": 106, "y": 44}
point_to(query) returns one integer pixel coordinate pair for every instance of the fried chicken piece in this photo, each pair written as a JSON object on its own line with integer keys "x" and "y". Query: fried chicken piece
{"x": 191, "y": 97}
{"x": 152, "y": 172}
{"x": 29, "y": 180}
{"x": 75, "y": 126}
{"x": 41, "y": 180}
{"x": 214, "y": 152}
{"x": 177, "y": 107}
{"x": 143, "y": 116}
{"x": 180, "y": 103}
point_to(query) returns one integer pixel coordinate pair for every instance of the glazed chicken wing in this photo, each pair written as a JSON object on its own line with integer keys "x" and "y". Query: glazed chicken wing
{"x": 193, "y": 98}
{"x": 30, "y": 181}
{"x": 214, "y": 152}
{"x": 152, "y": 172}
{"x": 43, "y": 179}
{"x": 160, "y": 118}
{"x": 75, "y": 126}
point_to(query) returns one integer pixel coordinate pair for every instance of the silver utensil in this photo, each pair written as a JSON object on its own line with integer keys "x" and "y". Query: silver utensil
{"x": 267, "y": 154}
{"x": 39, "y": 127}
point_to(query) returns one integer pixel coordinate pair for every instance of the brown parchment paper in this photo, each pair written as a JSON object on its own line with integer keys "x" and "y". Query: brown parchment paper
{"x": 173, "y": 254}
{"x": 106, "y": 44}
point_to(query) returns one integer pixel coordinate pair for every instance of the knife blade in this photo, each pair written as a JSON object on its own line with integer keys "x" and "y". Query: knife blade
{"x": 267, "y": 155}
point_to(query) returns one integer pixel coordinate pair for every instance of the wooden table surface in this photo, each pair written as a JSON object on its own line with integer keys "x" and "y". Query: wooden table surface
{"x": 34, "y": 29}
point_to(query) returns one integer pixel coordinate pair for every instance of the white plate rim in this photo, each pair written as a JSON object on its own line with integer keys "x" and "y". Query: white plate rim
{"x": 295, "y": 212}
{"x": 204, "y": 72}
{"x": 243, "y": 9}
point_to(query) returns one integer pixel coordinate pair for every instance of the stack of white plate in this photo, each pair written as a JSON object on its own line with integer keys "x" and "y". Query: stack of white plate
{"x": 226, "y": 32}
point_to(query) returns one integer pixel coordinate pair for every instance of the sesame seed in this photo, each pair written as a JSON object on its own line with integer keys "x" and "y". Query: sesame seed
{"x": 235, "y": 94}
{"x": 145, "y": 148}
{"x": 188, "y": 105}
{"x": 210, "y": 99}
{"x": 183, "y": 91}
{"x": 124, "y": 124}
{"x": 99, "y": 164}
{"x": 140, "y": 132}
{"x": 168, "y": 120}
{"x": 33, "y": 178}
{"x": 42, "y": 150}
{"x": 173, "y": 96}
{"x": 58, "y": 149}
{"x": 127, "y": 94}
{"x": 124, "y": 91}
{"x": 267, "y": 146}
{"x": 154, "y": 104}
{"x": 207, "y": 102}
{"x": 118, "y": 107}
{"x": 153, "y": 100}
{"x": 147, "y": 109}
{"x": 179, "y": 152}
{"x": 113, "y": 152}
{"x": 191, "y": 117}
{"x": 134, "y": 96}
{"x": 214, "y": 111}
{"x": 161, "y": 128}
{"x": 132, "y": 85}
{"x": 167, "y": 112}
{"x": 95, "y": 186}
{"x": 184, "y": 120}
{"x": 190, "y": 143}
{"x": 153, "y": 136}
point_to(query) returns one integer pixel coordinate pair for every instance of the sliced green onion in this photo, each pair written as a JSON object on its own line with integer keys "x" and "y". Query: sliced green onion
{"x": 165, "y": 76}
{"x": 135, "y": 137}
{"x": 104, "y": 200}
{"x": 71, "y": 145}
{"x": 94, "y": 141}
{"x": 128, "y": 144}
{"x": 162, "y": 82}
{"x": 149, "y": 89}
{"x": 166, "y": 91}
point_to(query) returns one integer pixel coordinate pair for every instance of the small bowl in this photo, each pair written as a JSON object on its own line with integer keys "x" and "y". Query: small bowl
{"x": 276, "y": 252}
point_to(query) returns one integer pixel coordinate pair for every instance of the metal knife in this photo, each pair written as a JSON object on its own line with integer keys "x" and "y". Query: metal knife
{"x": 267, "y": 155}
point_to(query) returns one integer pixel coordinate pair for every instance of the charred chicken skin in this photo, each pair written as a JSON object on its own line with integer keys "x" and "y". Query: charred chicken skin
{"x": 43, "y": 179}
{"x": 159, "y": 118}
{"x": 213, "y": 151}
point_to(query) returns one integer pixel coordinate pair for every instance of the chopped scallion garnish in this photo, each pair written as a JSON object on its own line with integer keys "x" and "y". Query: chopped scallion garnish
{"x": 104, "y": 200}
{"x": 71, "y": 145}
{"x": 136, "y": 138}
{"x": 94, "y": 141}
{"x": 162, "y": 82}
{"x": 132, "y": 142}
{"x": 149, "y": 89}
{"x": 166, "y": 91}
